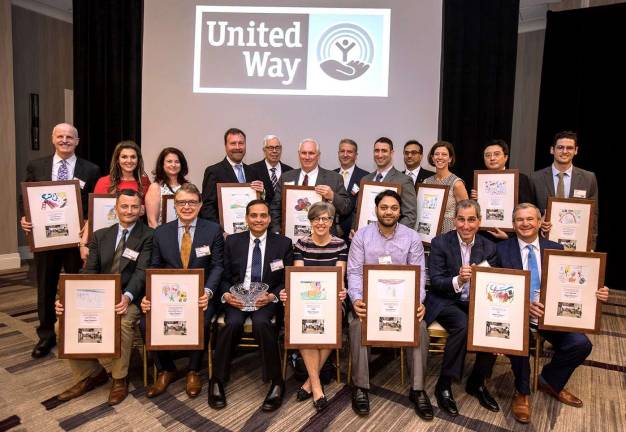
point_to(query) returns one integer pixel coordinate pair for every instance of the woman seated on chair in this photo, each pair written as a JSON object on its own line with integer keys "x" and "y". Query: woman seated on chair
{"x": 319, "y": 249}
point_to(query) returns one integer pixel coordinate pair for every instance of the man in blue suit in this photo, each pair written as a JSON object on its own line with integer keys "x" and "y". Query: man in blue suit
{"x": 525, "y": 252}
{"x": 451, "y": 257}
{"x": 187, "y": 243}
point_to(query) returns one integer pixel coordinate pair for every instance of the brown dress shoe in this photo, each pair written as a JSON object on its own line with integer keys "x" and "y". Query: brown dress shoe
{"x": 521, "y": 408}
{"x": 193, "y": 387}
{"x": 82, "y": 387}
{"x": 563, "y": 396}
{"x": 119, "y": 391}
{"x": 164, "y": 378}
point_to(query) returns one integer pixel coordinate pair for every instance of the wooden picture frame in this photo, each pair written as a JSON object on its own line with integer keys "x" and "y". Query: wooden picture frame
{"x": 494, "y": 188}
{"x": 168, "y": 209}
{"x": 101, "y": 212}
{"x": 431, "y": 208}
{"x": 366, "y": 207}
{"x": 572, "y": 222}
{"x": 234, "y": 220}
{"x": 296, "y": 201}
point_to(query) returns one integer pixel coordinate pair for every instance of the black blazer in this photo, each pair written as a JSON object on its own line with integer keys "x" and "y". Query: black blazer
{"x": 345, "y": 222}
{"x": 444, "y": 264}
{"x": 221, "y": 172}
{"x": 102, "y": 248}
{"x": 422, "y": 175}
{"x": 236, "y": 260}
{"x": 41, "y": 170}
{"x": 261, "y": 170}
{"x": 166, "y": 251}
{"x": 509, "y": 255}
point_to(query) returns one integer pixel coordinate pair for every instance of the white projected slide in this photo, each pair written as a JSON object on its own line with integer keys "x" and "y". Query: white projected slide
{"x": 297, "y": 69}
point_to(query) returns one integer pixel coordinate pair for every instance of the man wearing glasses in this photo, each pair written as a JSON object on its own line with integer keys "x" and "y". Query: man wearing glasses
{"x": 563, "y": 180}
{"x": 413, "y": 151}
{"x": 270, "y": 168}
{"x": 188, "y": 243}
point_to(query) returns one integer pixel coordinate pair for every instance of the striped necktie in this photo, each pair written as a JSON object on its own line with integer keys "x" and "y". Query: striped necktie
{"x": 273, "y": 178}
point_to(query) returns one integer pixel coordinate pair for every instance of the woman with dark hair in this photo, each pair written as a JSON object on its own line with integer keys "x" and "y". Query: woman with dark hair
{"x": 441, "y": 156}
{"x": 169, "y": 174}
{"x": 126, "y": 171}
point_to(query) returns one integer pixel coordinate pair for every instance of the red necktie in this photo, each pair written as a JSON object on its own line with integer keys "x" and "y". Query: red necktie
{"x": 305, "y": 182}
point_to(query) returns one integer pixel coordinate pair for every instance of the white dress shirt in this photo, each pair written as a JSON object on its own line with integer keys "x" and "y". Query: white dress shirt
{"x": 413, "y": 173}
{"x": 312, "y": 176}
{"x": 56, "y": 164}
{"x": 383, "y": 173}
{"x": 466, "y": 252}
{"x": 269, "y": 169}
{"x": 248, "y": 276}
{"x": 567, "y": 179}
{"x": 346, "y": 177}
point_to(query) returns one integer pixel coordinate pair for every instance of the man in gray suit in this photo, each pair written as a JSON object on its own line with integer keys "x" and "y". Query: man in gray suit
{"x": 385, "y": 172}
{"x": 328, "y": 184}
{"x": 563, "y": 180}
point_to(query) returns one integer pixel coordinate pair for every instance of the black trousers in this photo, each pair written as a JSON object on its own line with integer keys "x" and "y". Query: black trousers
{"x": 49, "y": 265}
{"x": 264, "y": 333}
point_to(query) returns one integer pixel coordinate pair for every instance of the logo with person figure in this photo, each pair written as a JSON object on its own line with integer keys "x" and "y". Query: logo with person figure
{"x": 345, "y": 51}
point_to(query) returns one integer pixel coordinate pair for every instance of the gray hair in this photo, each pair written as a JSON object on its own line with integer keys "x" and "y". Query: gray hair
{"x": 320, "y": 208}
{"x": 269, "y": 137}
{"x": 317, "y": 146}
{"x": 467, "y": 203}
{"x": 66, "y": 124}
{"x": 524, "y": 206}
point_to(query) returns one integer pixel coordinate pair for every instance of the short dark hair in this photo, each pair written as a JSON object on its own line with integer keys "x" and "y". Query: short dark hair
{"x": 128, "y": 192}
{"x": 233, "y": 131}
{"x": 567, "y": 135}
{"x": 445, "y": 144}
{"x": 189, "y": 188}
{"x": 255, "y": 202}
{"x": 497, "y": 142}
{"x": 384, "y": 140}
{"x": 351, "y": 142}
{"x": 159, "y": 173}
{"x": 414, "y": 142}
{"x": 387, "y": 193}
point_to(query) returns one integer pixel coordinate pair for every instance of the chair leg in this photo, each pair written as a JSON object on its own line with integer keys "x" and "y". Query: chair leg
{"x": 285, "y": 364}
{"x": 349, "y": 376}
{"x": 210, "y": 354}
{"x": 401, "y": 366}
{"x": 145, "y": 367}
{"x": 338, "y": 366}
{"x": 538, "y": 345}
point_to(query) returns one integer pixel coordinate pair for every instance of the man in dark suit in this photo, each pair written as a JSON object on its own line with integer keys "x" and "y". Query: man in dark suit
{"x": 123, "y": 248}
{"x": 63, "y": 165}
{"x": 328, "y": 184}
{"x": 270, "y": 168}
{"x": 413, "y": 151}
{"x": 352, "y": 175}
{"x": 230, "y": 170}
{"x": 257, "y": 255}
{"x": 188, "y": 243}
{"x": 563, "y": 180}
{"x": 451, "y": 257}
{"x": 525, "y": 252}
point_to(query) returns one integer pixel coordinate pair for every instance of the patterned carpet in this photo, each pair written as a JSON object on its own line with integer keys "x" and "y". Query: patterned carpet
{"x": 28, "y": 388}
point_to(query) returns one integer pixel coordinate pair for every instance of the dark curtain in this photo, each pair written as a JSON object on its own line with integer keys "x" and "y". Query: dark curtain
{"x": 478, "y": 81}
{"x": 583, "y": 89}
{"x": 107, "y": 75}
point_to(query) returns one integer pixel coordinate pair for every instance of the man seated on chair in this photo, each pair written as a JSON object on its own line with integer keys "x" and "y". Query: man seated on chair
{"x": 451, "y": 256}
{"x": 252, "y": 256}
{"x": 122, "y": 248}
{"x": 188, "y": 243}
{"x": 525, "y": 252}
{"x": 386, "y": 242}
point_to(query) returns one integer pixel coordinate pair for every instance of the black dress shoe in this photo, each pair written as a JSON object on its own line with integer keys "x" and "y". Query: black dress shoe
{"x": 482, "y": 394}
{"x": 303, "y": 395}
{"x": 360, "y": 401}
{"x": 423, "y": 408}
{"x": 217, "y": 396}
{"x": 320, "y": 404}
{"x": 446, "y": 401}
{"x": 43, "y": 347}
{"x": 274, "y": 397}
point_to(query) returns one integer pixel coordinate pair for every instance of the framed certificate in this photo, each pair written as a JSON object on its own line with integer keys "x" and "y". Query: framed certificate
{"x": 89, "y": 326}
{"x": 232, "y": 199}
{"x": 168, "y": 209}
{"x": 497, "y": 195}
{"x": 498, "y": 311}
{"x": 101, "y": 212}
{"x": 392, "y": 295}
{"x": 56, "y": 212}
{"x": 174, "y": 322}
{"x": 313, "y": 309}
{"x": 297, "y": 200}
{"x": 572, "y": 222}
{"x": 569, "y": 281}
{"x": 431, "y": 207}
{"x": 366, "y": 207}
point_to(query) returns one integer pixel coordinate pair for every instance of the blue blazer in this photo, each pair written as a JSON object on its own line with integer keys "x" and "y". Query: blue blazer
{"x": 166, "y": 251}
{"x": 509, "y": 255}
{"x": 444, "y": 264}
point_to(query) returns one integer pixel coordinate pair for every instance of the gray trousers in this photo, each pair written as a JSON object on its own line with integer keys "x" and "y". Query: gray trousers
{"x": 416, "y": 358}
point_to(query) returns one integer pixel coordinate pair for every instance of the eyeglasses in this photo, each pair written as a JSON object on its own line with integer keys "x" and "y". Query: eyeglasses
{"x": 190, "y": 203}
{"x": 561, "y": 147}
{"x": 321, "y": 219}
{"x": 274, "y": 148}
{"x": 412, "y": 152}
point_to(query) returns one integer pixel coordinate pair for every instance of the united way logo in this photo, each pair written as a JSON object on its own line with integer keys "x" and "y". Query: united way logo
{"x": 345, "y": 51}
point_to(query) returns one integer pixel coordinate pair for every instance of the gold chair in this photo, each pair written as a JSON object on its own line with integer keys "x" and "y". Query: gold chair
{"x": 536, "y": 350}
{"x": 337, "y": 364}
{"x": 438, "y": 336}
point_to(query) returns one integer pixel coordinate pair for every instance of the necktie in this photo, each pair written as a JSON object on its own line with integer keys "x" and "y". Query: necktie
{"x": 410, "y": 174}
{"x": 535, "y": 282}
{"x": 305, "y": 182}
{"x": 185, "y": 247}
{"x": 379, "y": 177}
{"x": 255, "y": 274}
{"x": 345, "y": 173}
{"x": 273, "y": 178}
{"x": 63, "y": 174}
{"x": 560, "y": 187}
{"x": 119, "y": 250}
{"x": 241, "y": 178}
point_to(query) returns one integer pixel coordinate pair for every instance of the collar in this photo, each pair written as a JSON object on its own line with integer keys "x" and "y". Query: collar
{"x": 269, "y": 165}
{"x": 262, "y": 238}
{"x": 462, "y": 243}
{"x": 120, "y": 228}
{"x": 414, "y": 171}
{"x": 522, "y": 244}
{"x": 232, "y": 164}
{"x": 70, "y": 160}
{"x": 191, "y": 225}
{"x": 555, "y": 171}
{"x": 395, "y": 230}
{"x": 350, "y": 170}
{"x": 313, "y": 172}
{"x": 383, "y": 173}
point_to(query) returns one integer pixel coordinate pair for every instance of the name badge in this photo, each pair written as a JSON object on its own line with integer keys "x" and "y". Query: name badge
{"x": 580, "y": 193}
{"x": 277, "y": 264}
{"x": 130, "y": 254}
{"x": 80, "y": 182}
{"x": 386, "y": 259}
{"x": 355, "y": 189}
{"x": 289, "y": 183}
{"x": 203, "y": 251}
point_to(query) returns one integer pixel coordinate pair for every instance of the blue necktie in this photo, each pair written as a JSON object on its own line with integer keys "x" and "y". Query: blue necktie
{"x": 535, "y": 281}
{"x": 63, "y": 173}
{"x": 241, "y": 178}
{"x": 256, "y": 262}
{"x": 378, "y": 178}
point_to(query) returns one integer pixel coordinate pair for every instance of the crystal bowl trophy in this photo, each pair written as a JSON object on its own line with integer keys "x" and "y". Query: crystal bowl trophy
{"x": 248, "y": 294}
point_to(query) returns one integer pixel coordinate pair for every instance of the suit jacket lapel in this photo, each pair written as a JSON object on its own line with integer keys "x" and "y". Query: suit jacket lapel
{"x": 476, "y": 254}
{"x": 108, "y": 249}
{"x": 245, "y": 246}
{"x": 47, "y": 167}
{"x": 576, "y": 183}
{"x": 132, "y": 243}
{"x": 321, "y": 177}
{"x": 456, "y": 252}
{"x": 230, "y": 171}
{"x": 517, "y": 255}
{"x": 549, "y": 181}
{"x": 268, "y": 257}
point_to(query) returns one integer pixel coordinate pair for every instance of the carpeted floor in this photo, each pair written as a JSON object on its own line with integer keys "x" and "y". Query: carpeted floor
{"x": 28, "y": 387}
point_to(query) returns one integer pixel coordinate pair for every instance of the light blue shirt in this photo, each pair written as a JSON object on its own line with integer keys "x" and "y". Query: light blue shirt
{"x": 181, "y": 230}
{"x": 567, "y": 179}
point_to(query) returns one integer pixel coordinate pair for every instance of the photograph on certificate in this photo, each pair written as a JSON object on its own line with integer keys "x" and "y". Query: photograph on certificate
{"x": 366, "y": 206}
{"x": 497, "y": 195}
{"x": 572, "y": 222}
{"x": 297, "y": 200}
{"x": 102, "y": 212}
{"x": 232, "y": 201}
{"x": 431, "y": 201}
